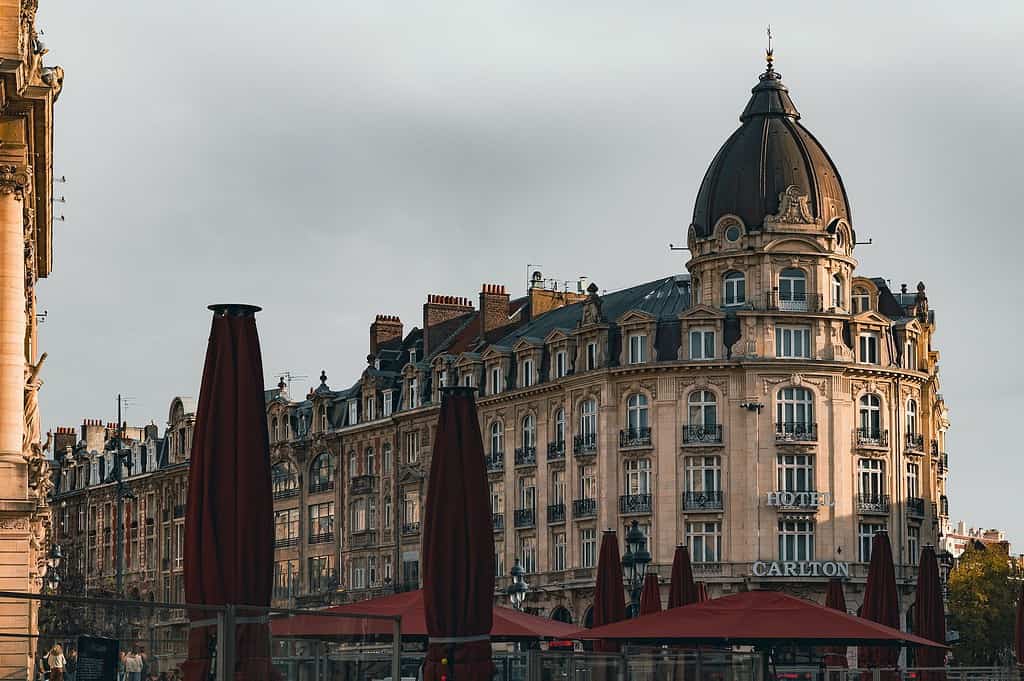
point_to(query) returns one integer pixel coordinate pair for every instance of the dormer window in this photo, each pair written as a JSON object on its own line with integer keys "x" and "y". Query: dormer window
{"x": 495, "y": 380}
{"x": 467, "y": 380}
{"x": 371, "y": 408}
{"x": 591, "y": 356}
{"x": 868, "y": 346}
{"x": 561, "y": 364}
{"x": 442, "y": 378}
{"x": 910, "y": 354}
{"x": 861, "y": 300}
{"x": 637, "y": 348}
{"x": 527, "y": 372}
{"x": 323, "y": 418}
{"x": 353, "y": 412}
{"x": 413, "y": 393}
{"x": 388, "y": 403}
{"x": 734, "y": 290}
{"x": 412, "y": 355}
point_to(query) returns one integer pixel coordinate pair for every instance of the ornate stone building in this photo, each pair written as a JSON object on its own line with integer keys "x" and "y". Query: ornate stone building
{"x": 771, "y": 408}
{"x": 28, "y": 90}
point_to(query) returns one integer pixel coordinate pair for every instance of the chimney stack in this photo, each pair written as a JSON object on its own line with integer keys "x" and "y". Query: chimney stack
{"x": 384, "y": 328}
{"x": 439, "y": 309}
{"x": 65, "y": 437}
{"x": 94, "y": 433}
{"x": 493, "y": 307}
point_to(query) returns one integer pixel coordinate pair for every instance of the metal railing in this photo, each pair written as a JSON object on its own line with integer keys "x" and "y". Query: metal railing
{"x": 796, "y": 431}
{"x": 704, "y": 501}
{"x": 285, "y": 542}
{"x": 526, "y": 456}
{"x": 635, "y": 503}
{"x": 915, "y": 507}
{"x": 791, "y": 302}
{"x": 873, "y": 503}
{"x": 321, "y": 486}
{"x": 584, "y": 508}
{"x": 498, "y": 521}
{"x": 915, "y": 442}
{"x": 285, "y": 489}
{"x": 321, "y": 537}
{"x": 525, "y": 517}
{"x": 409, "y": 529}
{"x": 556, "y": 450}
{"x": 871, "y": 437}
{"x": 556, "y": 513}
{"x": 583, "y": 445}
{"x": 495, "y": 462}
{"x": 702, "y": 434}
{"x": 363, "y": 484}
{"x": 632, "y": 438}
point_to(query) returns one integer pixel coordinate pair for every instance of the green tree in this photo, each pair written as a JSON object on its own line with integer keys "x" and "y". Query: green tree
{"x": 982, "y": 599}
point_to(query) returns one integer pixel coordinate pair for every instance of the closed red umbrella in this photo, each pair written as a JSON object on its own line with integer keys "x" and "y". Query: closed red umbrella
{"x": 682, "y": 590}
{"x": 609, "y": 597}
{"x": 458, "y": 547}
{"x": 650, "y": 596}
{"x": 229, "y": 527}
{"x": 702, "y": 592}
{"x": 930, "y": 615}
{"x": 881, "y": 603}
{"x": 836, "y": 600}
{"x": 1018, "y": 639}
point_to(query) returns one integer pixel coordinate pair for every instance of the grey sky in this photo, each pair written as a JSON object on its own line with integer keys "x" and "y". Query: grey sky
{"x": 331, "y": 160}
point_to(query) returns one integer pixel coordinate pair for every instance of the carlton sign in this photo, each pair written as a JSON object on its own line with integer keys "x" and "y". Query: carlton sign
{"x": 793, "y": 568}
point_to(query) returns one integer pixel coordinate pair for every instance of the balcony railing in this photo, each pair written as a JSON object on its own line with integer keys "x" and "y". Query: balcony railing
{"x": 364, "y": 538}
{"x": 871, "y": 437}
{"x": 556, "y": 513}
{"x": 323, "y": 582}
{"x": 944, "y": 506}
{"x": 179, "y": 511}
{"x": 943, "y": 463}
{"x": 873, "y": 503}
{"x": 285, "y": 492}
{"x": 796, "y": 431}
{"x": 792, "y": 302}
{"x": 706, "y": 434}
{"x": 409, "y": 529}
{"x": 498, "y": 521}
{"x": 526, "y": 456}
{"x": 584, "y": 508}
{"x": 915, "y": 507}
{"x": 321, "y": 538}
{"x": 556, "y": 450}
{"x": 584, "y": 445}
{"x": 915, "y": 442}
{"x": 703, "y": 501}
{"x": 321, "y": 486}
{"x": 635, "y": 503}
{"x": 363, "y": 484}
{"x": 632, "y": 438}
{"x": 285, "y": 542}
{"x": 495, "y": 462}
{"x": 525, "y": 517}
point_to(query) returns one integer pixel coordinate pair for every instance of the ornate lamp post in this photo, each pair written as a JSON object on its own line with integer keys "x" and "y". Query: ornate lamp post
{"x": 51, "y": 580}
{"x": 634, "y": 565}
{"x": 517, "y": 589}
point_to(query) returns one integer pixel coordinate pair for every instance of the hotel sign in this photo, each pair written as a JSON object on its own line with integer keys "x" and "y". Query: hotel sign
{"x": 800, "y": 499}
{"x": 793, "y": 568}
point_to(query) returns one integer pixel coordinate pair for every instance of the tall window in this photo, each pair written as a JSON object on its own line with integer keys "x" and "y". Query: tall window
{"x": 837, "y": 291}
{"x": 913, "y": 481}
{"x": 792, "y": 342}
{"x": 412, "y": 446}
{"x": 527, "y": 491}
{"x": 385, "y": 458}
{"x": 561, "y": 365}
{"x": 527, "y": 371}
{"x": 371, "y": 570}
{"x": 638, "y": 476}
{"x": 702, "y": 344}
{"x": 557, "y": 487}
{"x": 321, "y": 572}
{"x": 703, "y": 474}
{"x": 371, "y": 461}
{"x": 285, "y": 481}
{"x": 703, "y": 408}
{"x": 358, "y": 514}
{"x": 528, "y": 553}
{"x": 323, "y": 419}
{"x": 591, "y": 356}
{"x": 637, "y": 413}
{"x": 792, "y": 289}
{"x": 371, "y": 408}
{"x": 321, "y": 522}
{"x": 911, "y": 417}
{"x": 387, "y": 512}
{"x": 497, "y": 497}
{"x": 529, "y": 434}
{"x": 913, "y": 544}
{"x": 286, "y": 527}
{"x": 794, "y": 410}
{"x": 388, "y": 403}
{"x": 411, "y": 507}
{"x": 861, "y": 300}
{"x": 467, "y": 379}
{"x": 865, "y": 537}
{"x": 705, "y": 541}
{"x": 871, "y": 476}
{"x": 734, "y": 289}
{"x": 588, "y": 481}
{"x": 358, "y": 578}
{"x": 870, "y": 417}
{"x": 414, "y": 393}
{"x": 796, "y": 472}
{"x": 588, "y": 547}
{"x": 796, "y": 539}
{"x": 274, "y": 434}
{"x": 497, "y": 438}
{"x": 388, "y": 570}
{"x": 560, "y": 425}
{"x": 321, "y": 473}
{"x": 499, "y": 560}
{"x": 637, "y": 348}
{"x": 868, "y": 347}
{"x": 353, "y": 412}
{"x": 353, "y": 465}
{"x": 910, "y": 354}
{"x": 495, "y": 380}
{"x": 558, "y": 551}
{"x": 588, "y": 419}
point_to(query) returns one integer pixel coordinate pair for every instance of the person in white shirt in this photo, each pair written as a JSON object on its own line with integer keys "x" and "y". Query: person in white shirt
{"x": 56, "y": 662}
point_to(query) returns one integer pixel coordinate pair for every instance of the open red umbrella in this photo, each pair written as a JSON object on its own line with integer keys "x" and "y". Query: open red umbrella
{"x": 682, "y": 590}
{"x": 458, "y": 547}
{"x": 881, "y": 603}
{"x": 650, "y": 596}
{"x": 930, "y": 615}
{"x": 229, "y": 526}
{"x": 1018, "y": 638}
{"x": 609, "y": 597}
{"x": 835, "y": 598}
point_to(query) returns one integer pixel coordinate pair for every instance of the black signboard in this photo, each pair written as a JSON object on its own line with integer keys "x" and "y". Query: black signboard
{"x": 97, "y": 659}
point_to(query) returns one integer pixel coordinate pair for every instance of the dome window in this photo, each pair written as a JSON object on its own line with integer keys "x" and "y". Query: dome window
{"x": 734, "y": 289}
{"x": 861, "y": 300}
{"x": 733, "y": 233}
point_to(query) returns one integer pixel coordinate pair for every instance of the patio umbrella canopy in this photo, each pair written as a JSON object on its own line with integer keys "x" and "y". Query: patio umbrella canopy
{"x": 650, "y": 596}
{"x": 458, "y": 547}
{"x": 229, "y": 527}
{"x": 930, "y": 615}
{"x": 881, "y": 602}
{"x": 609, "y": 596}
{"x": 682, "y": 590}
{"x": 508, "y": 624}
{"x": 835, "y": 598}
{"x": 754, "y": 618}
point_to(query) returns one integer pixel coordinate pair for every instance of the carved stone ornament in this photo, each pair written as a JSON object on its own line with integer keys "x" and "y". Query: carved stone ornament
{"x": 795, "y": 379}
{"x": 793, "y": 208}
{"x": 16, "y": 180}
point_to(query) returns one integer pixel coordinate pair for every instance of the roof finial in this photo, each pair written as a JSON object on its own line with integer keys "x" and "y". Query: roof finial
{"x": 769, "y": 55}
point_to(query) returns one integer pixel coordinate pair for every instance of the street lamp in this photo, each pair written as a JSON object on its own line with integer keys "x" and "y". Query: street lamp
{"x": 517, "y": 589}
{"x": 53, "y": 559}
{"x": 634, "y": 564}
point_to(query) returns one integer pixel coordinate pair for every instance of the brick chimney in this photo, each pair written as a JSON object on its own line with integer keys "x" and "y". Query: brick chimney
{"x": 384, "y": 328}
{"x": 94, "y": 432}
{"x": 439, "y": 309}
{"x": 63, "y": 438}
{"x": 493, "y": 307}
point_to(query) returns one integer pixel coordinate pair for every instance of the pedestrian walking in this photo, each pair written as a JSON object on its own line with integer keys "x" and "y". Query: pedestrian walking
{"x": 71, "y": 668}
{"x": 56, "y": 662}
{"x": 133, "y": 665}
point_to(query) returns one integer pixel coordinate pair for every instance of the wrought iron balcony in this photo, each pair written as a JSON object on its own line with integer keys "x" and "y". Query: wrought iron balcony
{"x": 915, "y": 442}
{"x": 873, "y": 503}
{"x": 556, "y": 450}
{"x": 526, "y": 456}
{"x": 792, "y": 302}
{"x": 635, "y": 503}
{"x": 179, "y": 511}
{"x": 556, "y": 513}
{"x": 634, "y": 438}
{"x": 943, "y": 463}
{"x": 363, "y": 484}
{"x": 704, "y": 501}
{"x": 364, "y": 539}
{"x": 796, "y": 431}
{"x": 525, "y": 517}
{"x": 495, "y": 462}
{"x": 915, "y": 507}
{"x": 409, "y": 529}
{"x": 944, "y": 506}
{"x": 498, "y": 521}
{"x": 285, "y": 542}
{"x": 321, "y": 538}
{"x": 285, "y": 491}
{"x": 706, "y": 434}
{"x": 584, "y": 508}
{"x": 321, "y": 486}
{"x": 584, "y": 445}
{"x": 871, "y": 437}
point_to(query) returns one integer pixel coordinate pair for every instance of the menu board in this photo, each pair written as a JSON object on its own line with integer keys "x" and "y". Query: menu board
{"x": 97, "y": 659}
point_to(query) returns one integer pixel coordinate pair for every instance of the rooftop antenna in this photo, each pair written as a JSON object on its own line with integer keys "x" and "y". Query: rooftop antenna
{"x": 123, "y": 402}
{"x": 530, "y": 280}
{"x": 288, "y": 377}
{"x": 673, "y": 247}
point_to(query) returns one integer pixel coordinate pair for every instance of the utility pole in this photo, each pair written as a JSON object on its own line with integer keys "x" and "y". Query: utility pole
{"x": 123, "y": 492}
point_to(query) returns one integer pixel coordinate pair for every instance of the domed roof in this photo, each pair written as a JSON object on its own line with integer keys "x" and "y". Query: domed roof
{"x": 769, "y": 153}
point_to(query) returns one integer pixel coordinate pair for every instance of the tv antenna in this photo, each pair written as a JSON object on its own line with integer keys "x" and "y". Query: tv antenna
{"x": 123, "y": 402}
{"x": 288, "y": 377}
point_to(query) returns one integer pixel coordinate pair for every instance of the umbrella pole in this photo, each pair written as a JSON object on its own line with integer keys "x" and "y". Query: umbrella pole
{"x": 396, "y": 651}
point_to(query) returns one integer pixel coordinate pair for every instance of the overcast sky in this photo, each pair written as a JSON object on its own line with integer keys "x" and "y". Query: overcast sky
{"x": 332, "y": 160}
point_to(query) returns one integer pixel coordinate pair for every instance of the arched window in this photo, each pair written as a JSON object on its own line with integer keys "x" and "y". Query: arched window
{"x": 560, "y": 425}
{"x": 870, "y": 413}
{"x": 861, "y": 300}
{"x": 321, "y": 473}
{"x": 911, "y": 417}
{"x": 497, "y": 438}
{"x": 588, "y": 419}
{"x": 529, "y": 431}
{"x": 794, "y": 415}
{"x": 703, "y": 409}
{"x": 792, "y": 289}
{"x": 837, "y": 291}
{"x": 637, "y": 417}
{"x": 561, "y": 614}
{"x": 588, "y": 618}
{"x": 274, "y": 434}
{"x": 284, "y": 480}
{"x": 734, "y": 291}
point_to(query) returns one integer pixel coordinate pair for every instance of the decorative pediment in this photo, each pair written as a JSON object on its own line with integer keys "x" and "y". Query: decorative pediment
{"x": 793, "y": 208}
{"x": 686, "y": 384}
{"x": 635, "y": 317}
{"x": 701, "y": 312}
{"x": 871, "y": 317}
{"x": 468, "y": 359}
{"x": 557, "y": 336}
{"x": 795, "y": 379}
{"x": 526, "y": 343}
{"x": 495, "y": 352}
{"x": 796, "y": 244}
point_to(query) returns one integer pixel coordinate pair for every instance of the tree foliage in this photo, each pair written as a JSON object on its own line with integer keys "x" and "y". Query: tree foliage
{"x": 982, "y": 600}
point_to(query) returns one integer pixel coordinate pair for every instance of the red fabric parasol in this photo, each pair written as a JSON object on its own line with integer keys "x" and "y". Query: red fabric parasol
{"x": 650, "y": 597}
{"x": 835, "y": 656}
{"x": 458, "y": 547}
{"x": 702, "y": 592}
{"x": 930, "y": 615}
{"x": 509, "y": 624}
{"x": 1018, "y": 638}
{"x": 682, "y": 590}
{"x": 229, "y": 526}
{"x": 610, "y": 597}
{"x": 753, "y": 618}
{"x": 881, "y": 603}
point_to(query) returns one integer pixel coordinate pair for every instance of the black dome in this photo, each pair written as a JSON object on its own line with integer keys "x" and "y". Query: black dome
{"x": 769, "y": 152}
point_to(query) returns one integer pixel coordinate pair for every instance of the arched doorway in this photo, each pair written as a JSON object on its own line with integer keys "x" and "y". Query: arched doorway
{"x": 561, "y": 614}
{"x": 588, "y": 618}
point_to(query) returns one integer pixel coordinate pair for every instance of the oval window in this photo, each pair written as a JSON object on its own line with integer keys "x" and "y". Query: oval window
{"x": 733, "y": 233}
